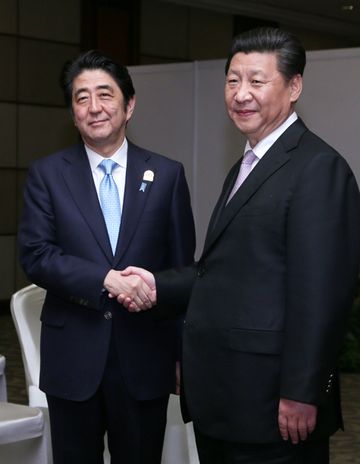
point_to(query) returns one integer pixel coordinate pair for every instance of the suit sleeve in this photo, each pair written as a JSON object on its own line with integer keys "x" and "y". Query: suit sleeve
{"x": 181, "y": 242}
{"x": 173, "y": 288}
{"x": 43, "y": 260}
{"x": 173, "y": 285}
{"x": 322, "y": 259}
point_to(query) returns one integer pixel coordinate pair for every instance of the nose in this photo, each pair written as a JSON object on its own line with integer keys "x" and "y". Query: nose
{"x": 95, "y": 105}
{"x": 242, "y": 93}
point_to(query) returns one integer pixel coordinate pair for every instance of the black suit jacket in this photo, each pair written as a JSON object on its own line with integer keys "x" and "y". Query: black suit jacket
{"x": 270, "y": 294}
{"x": 64, "y": 247}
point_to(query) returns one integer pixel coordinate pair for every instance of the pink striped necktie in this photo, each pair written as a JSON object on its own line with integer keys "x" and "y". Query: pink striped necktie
{"x": 244, "y": 171}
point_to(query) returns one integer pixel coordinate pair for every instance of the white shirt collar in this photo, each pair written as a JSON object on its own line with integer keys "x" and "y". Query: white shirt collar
{"x": 120, "y": 156}
{"x": 263, "y": 146}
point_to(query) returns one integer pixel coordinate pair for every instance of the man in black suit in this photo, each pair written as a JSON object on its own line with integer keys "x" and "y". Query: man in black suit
{"x": 102, "y": 368}
{"x": 268, "y": 298}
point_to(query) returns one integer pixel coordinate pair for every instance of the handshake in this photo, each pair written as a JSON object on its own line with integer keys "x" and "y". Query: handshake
{"x": 133, "y": 287}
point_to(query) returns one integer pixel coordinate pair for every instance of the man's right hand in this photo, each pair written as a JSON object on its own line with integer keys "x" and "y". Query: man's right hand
{"x": 148, "y": 278}
{"x": 132, "y": 286}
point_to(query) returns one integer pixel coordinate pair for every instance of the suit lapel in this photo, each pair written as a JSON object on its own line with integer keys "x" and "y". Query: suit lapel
{"x": 274, "y": 159}
{"x": 78, "y": 177}
{"x": 228, "y": 185}
{"x": 135, "y": 196}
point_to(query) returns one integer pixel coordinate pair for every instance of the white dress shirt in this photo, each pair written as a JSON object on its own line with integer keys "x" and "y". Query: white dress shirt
{"x": 263, "y": 146}
{"x": 119, "y": 172}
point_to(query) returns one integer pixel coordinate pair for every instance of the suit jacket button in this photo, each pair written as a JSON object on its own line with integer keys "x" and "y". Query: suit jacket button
{"x": 107, "y": 315}
{"x": 200, "y": 271}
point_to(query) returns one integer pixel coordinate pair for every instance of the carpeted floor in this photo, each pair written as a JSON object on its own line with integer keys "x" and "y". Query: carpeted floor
{"x": 345, "y": 446}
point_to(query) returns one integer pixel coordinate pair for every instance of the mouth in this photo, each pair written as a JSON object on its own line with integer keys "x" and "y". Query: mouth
{"x": 98, "y": 122}
{"x": 243, "y": 113}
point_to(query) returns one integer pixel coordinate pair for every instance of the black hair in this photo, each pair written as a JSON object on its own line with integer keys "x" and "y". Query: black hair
{"x": 291, "y": 56}
{"x": 92, "y": 60}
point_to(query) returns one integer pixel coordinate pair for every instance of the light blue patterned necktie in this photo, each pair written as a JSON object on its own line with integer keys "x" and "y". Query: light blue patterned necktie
{"x": 110, "y": 201}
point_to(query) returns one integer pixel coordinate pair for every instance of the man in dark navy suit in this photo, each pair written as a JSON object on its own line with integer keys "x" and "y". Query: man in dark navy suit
{"x": 102, "y": 368}
{"x": 269, "y": 297}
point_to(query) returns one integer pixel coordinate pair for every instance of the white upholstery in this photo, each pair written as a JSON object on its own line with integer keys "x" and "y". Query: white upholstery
{"x": 18, "y": 422}
{"x": 22, "y": 437}
{"x": 3, "y": 393}
{"x": 26, "y": 307}
{"x": 179, "y": 443}
{"x": 191, "y": 443}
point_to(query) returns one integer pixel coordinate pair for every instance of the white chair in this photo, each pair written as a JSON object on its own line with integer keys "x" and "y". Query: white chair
{"x": 21, "y": 429}
{"x": 191, "y": 443}
{"x": 26, "y": 305}
{"x": 3, "y": 392}
{"x": 179, "y": 443}
{"x": 22, "y": 438}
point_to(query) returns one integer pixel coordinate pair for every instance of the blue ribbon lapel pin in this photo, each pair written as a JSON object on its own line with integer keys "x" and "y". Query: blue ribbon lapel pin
{"x": 147, "y": 178}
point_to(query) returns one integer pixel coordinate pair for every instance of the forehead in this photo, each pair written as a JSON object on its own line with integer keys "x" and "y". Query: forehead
{"x": 265, "y": 62}
{"x": 91, "y": 79}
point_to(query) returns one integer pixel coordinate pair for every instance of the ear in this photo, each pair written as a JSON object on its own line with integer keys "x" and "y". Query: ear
{"x": 295, "y": 87}
{"x": 130, "y": 108}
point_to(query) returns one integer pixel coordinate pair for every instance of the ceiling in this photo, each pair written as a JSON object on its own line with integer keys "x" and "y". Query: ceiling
{"x": 338, "y": 17}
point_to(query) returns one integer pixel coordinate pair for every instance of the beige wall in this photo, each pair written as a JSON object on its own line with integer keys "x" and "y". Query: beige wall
{"x": 191, "y": 124}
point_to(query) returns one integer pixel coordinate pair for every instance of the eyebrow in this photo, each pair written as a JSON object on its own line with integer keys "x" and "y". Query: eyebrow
{"x": 99, "y": 87}
{"x": 250, "y": 71}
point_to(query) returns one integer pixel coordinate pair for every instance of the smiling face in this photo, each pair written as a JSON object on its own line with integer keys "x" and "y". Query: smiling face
{"x": 99, "y": 111}
{"x": 257, "y": 96}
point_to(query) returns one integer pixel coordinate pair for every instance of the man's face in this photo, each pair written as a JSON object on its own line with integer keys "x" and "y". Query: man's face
{"x": 257, "y": 97}
{"x": 99, "y": 112}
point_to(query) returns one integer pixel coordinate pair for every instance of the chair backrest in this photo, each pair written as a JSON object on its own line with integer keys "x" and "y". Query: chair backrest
{"x": 3, "y": 392}
{"x": 26, "y": 305}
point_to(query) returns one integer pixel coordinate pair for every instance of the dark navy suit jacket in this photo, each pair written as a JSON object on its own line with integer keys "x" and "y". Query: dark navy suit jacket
{"x": 64, "y": 248}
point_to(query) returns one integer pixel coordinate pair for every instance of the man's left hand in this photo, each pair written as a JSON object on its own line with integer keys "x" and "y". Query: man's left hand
{"x": 296, "y": 420}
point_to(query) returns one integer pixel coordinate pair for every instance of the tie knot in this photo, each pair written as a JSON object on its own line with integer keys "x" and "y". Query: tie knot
{"x": 249, "y": 157}
{"x": 107, "y": 166}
